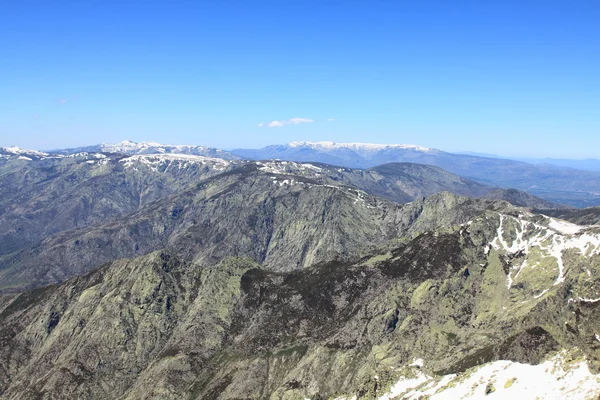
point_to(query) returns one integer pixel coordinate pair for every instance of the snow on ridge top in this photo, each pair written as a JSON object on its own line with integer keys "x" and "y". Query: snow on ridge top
{"x": 564, "y": 226}
{"x": 359, "y": 146}
{"x": 128, "y": 146}
{"x": 174, "y": 157}
{"x": 164, "y": 162}
{"x": 19, "y": 151}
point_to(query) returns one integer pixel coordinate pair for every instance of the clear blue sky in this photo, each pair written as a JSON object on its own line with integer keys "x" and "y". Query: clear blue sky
{"x": 505, "y": 77}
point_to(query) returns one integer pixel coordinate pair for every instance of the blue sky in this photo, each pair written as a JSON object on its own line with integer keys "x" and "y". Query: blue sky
{"x": 516, "y": 78}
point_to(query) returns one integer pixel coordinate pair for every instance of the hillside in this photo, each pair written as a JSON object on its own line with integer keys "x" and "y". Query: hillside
{"x": 66, "y": 215}
{"x": 508, "y": 286}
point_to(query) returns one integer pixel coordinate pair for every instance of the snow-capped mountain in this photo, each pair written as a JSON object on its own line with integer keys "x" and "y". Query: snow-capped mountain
{"x": 135, "y": 148}
{"x": 363, "y": 149}
{"x": 354, "y": 155}
{"x": 561, "y": 185}
{"x": 26, "y": 154}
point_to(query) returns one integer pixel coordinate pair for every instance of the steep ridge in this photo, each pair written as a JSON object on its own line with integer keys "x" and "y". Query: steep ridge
{"x": 584, "y": 216}
{"x": 507, "y": 284}
{"x": 403, "y": 182}
{"x": 64, "y": 216}
{"x": 53, "y": 194}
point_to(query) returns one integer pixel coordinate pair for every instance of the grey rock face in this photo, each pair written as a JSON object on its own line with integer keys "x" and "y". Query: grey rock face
{"x": 159, "y": 327}
{"x": 46, "y": 196}
{"x": 284, "y": 222}
{"x": 63, "y": 216}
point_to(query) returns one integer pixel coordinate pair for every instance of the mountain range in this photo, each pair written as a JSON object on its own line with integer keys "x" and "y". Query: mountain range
{"x": 60, "y": 214}
{"x": 577, "y": 188}
{"x": 148, "y": 271}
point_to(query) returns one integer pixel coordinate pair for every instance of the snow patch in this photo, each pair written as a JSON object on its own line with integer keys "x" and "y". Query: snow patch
{"x": 17, "y": 151}
{"x": 168, "y": 160}
{"x": 552, "y": 379}
{"x": 551, "y": 240}
{"x": 404, "y": 385}
{"x": 564, "y": 226}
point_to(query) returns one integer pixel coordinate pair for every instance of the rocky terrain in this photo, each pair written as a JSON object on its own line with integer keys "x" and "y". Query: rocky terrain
{"x": 508, "y": 285}
{"x": 64, "y": 215}
{"x": 170, "y": 276}
{"x": 43, "y": 196}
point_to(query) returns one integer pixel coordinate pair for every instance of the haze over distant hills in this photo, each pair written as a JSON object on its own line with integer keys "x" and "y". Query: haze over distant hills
{"x": 577, "y": 188}
{"x": 588, "y": 164}
{"x": 563, "y": 185}
{"x": 129, "y": 147}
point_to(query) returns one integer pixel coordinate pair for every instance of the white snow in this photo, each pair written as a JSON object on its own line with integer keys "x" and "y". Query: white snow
{"x": 181, "y": 161}
{"x": 419, "y": 363}
{"x": 564, "y": 226}
{"x": 359, "y": 147}
{"x": 129, "y": 147}
{"x": 552, "y": 240}
{"x": 273, "y": 167}
{"x": 583, "y": 300}
{"x": 552, "y": 379}
{"x": 404, "y": 385}
{"x": 313, "y": 167}
{"x": 289, "y": 168}
{"x": 23, "y": 152}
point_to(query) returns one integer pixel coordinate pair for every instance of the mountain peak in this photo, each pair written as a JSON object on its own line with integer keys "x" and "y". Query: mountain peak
{"x": 17, "y": 151}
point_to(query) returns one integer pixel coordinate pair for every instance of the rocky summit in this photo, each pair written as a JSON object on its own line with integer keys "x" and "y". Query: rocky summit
{"x": 184, "y": 276}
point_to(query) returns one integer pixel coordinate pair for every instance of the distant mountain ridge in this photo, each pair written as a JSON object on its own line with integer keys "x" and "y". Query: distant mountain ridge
{"x": 133, "y": 148}
{"x": 562, "y": 185}
{"x": 15, "y": 151}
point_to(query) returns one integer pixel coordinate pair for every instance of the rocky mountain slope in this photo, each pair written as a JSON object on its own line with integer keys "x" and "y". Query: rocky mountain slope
{"x": 507, "y": 285}
{"x": 282, "y": 221}
{"x": 62, "y": 214}
{"x": 45, "y": 195}
{"x": 562, "y": 185}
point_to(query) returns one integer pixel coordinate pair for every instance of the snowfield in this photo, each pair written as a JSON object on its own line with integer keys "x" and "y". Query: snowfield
{"x": 558, "y": 378}
{"x": 553, "y": 379}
